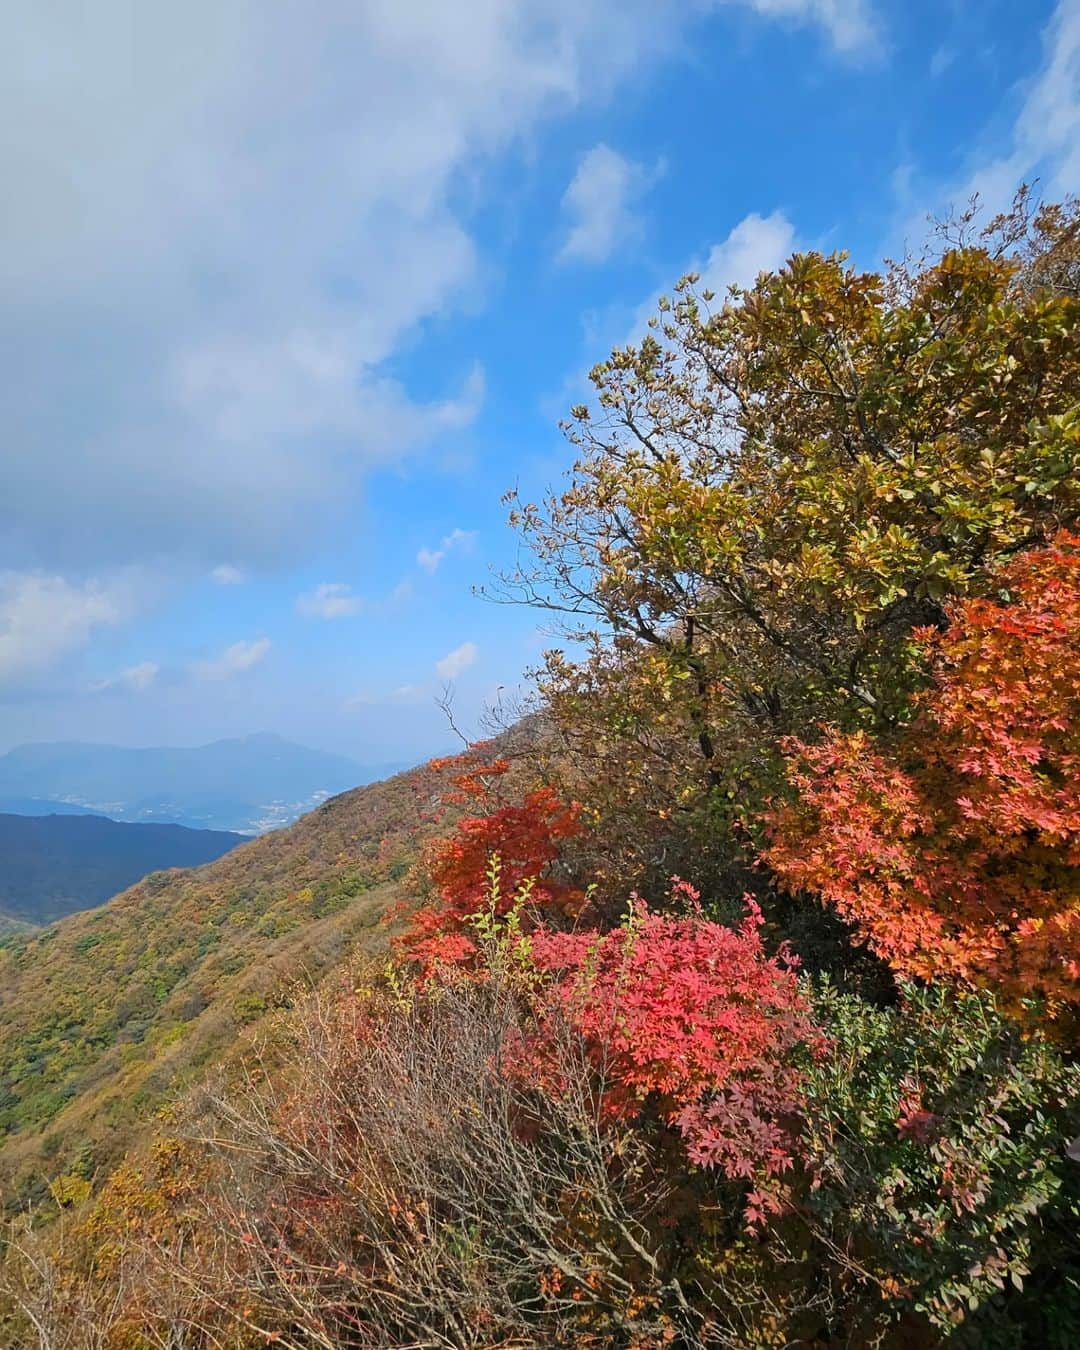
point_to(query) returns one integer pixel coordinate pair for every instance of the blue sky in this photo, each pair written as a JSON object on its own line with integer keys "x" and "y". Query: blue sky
{"x": 292, "y": 294}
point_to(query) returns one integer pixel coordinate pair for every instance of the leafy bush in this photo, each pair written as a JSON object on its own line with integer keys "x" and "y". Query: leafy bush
{"x": 939, "y": 1182}
{"x": 693, "y": 1019}
{"x": 957, "y": 849}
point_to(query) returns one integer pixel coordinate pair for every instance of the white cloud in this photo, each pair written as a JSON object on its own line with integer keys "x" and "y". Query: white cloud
{"x": 757, "y": 244}
{"x": 240, "y": 656}
{"x": 410, "y": 693}
{"x": 458, "y": 661}
{"x": 849, "y": 23}
{"x": 44, "y": 618}
{"x": 331, "y": 600}
{"x": 902, "y": 178}
{"x": 136, "y": 678}
{"x": 430, "y": 558}
{"x": 940, "y": 62}
{"x": 1044, "y": 142}
{"x": 403, "y": 695}
{"x": 336, "y": 600}
{"x": 227, "y": 575}
{"x": 223, "y": 220}
{"x": 1046, "y": 134}
{"x": 600, "y": 204}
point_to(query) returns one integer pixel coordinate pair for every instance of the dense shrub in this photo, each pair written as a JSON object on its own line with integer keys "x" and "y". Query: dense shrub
{"x": 939, "y": 1184}
{"x": 696, "y": 1020}
{"x": 955, "y": 847}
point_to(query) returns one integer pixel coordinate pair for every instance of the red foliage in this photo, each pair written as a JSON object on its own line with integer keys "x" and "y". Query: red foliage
{"x": 957, "y": 850}
{"x": 913, "y": 1120}
{"x": 695, "y": 1018}
{"x": 525, "y": 840}
{"x": 680, "y": 1014}
{"x": 473, "y": 775}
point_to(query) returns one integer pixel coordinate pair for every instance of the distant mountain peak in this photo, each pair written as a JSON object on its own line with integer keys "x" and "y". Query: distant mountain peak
{"x": 248, "y": 783}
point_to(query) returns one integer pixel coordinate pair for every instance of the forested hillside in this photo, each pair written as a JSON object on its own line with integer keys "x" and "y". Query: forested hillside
{"x": 54, "y": 865}
{"x": 735, "y": 998}
{"x": 102, "y": 1015}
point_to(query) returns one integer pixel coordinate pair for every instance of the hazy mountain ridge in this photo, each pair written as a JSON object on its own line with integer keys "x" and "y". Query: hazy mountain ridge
{"x": 42, "y": 806}
{"x": 54, "y": 865}
{"x": 250, "y": 784}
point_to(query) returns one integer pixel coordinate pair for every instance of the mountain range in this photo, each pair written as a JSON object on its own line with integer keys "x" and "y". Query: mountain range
{"x": 250, "y": 784}
{"x": 51, "y": 866}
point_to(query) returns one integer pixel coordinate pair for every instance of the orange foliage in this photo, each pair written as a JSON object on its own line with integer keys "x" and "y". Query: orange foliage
{"x": 521, "y": 841}
{"x": 956, "y": 851}
{"x": 473, "y": 777}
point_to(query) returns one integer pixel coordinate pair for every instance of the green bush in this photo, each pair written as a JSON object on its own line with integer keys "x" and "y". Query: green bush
{"x": 939, "y": 1180}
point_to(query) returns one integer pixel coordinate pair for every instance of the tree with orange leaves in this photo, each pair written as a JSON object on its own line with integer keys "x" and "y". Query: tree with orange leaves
{"x": 486, "y": 860}
{"x": 956, "y": 851}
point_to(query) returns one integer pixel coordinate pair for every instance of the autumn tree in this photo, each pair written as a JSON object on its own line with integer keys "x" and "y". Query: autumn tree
{"x": 955, "y": 846}
{"x": 481, "y": 862}
{"x": 775, "y": 487}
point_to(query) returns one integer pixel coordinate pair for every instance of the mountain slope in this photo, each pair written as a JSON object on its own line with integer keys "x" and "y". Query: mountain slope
{"x": 249, "y": 784}
{"x": 51, "y": 866}
{"x": 104, "y": 1014}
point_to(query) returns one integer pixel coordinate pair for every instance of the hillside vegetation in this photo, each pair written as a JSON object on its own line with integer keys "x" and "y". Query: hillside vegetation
{"x": 736, "y": 999}
{"x": 104, "y": 1014}
{"x": 51, "y": 866}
